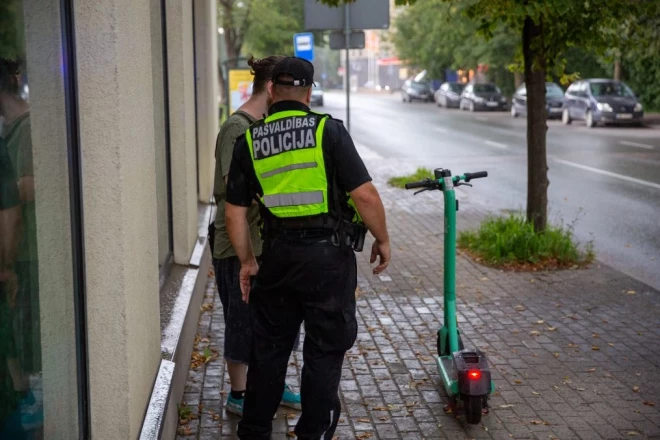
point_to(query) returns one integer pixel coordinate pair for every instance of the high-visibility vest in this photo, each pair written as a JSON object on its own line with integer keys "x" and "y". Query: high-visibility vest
{"x": 287, "y": 153}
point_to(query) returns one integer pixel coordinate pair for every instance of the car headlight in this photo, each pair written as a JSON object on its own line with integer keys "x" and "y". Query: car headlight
{"x": 638, "y": 107}
{"x": 479, "y": 99}
{"x": 604, "y": 107}
{"x": 503, "y": 99}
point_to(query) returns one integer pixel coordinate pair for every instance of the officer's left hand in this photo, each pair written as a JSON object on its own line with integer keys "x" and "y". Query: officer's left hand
{"x": 247, "y": 271}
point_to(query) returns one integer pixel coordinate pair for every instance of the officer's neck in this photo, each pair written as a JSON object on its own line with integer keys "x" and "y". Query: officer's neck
{"x": 287, "y": 104}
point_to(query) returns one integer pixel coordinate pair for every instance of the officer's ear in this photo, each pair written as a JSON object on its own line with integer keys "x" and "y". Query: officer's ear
{"x": 308, "y": 98}
{"x": 269, "y": 89}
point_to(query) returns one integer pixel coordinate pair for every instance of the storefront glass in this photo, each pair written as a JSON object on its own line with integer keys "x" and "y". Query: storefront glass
{"x": 39, "y": 382}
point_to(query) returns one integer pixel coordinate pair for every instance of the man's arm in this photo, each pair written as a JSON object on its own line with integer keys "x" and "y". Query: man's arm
{"x": 239, "y": 198}
{"x": 352, "y": 175}
{"x": 371, "y": 209}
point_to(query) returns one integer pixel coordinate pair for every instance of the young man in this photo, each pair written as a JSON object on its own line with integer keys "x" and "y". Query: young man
{"x": 225, "y": 262}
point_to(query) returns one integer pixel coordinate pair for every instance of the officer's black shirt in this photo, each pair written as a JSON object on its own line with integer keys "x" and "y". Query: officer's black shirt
{"x": 340, "y": 156}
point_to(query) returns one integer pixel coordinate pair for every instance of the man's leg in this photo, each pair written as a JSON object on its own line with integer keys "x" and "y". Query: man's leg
{"x": 237, "y": 330}
{"x": 275, "y": 317}
{"x": 331, "y": 329}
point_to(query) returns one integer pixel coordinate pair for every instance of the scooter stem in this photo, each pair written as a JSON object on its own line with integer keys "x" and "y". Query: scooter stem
{"x": 450, "y": 258}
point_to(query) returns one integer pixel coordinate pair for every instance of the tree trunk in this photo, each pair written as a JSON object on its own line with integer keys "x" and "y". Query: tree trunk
{"x": 537, "y": 164}
{"x": 517, "y": 79}
{"x": 617, "y": 68}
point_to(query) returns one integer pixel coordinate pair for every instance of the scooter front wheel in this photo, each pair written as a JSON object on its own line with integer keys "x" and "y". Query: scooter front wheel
{"x": 472, "y": 409}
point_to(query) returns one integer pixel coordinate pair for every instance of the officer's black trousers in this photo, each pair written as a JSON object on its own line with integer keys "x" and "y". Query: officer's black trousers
{"x": 314, "y": 282}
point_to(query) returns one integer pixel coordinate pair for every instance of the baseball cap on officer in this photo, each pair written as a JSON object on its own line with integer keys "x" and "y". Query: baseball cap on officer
{"x": 301, "y": 70}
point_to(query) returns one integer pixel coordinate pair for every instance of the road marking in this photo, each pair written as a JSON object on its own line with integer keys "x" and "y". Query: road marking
{"x": 496, "y": 145}
{"x": 608, "y": 173}
{"x": 635, "y": 144}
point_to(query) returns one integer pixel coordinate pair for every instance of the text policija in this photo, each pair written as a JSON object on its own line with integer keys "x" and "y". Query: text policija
{"x": 276, "y": 137}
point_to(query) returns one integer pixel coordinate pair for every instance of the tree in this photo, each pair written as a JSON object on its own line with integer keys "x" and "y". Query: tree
{"x": 548, "y": 30}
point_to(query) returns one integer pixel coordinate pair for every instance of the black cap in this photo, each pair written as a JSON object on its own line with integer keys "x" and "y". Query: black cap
{"x": 301, "y": 70}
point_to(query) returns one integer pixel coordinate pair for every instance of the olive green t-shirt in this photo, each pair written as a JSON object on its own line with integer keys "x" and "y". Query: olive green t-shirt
{"x": 18, "y": 139}
{"x": 236, "y": 125}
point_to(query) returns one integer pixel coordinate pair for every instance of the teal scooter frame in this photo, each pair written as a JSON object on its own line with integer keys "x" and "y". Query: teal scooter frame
{"x": 465, "y": 373}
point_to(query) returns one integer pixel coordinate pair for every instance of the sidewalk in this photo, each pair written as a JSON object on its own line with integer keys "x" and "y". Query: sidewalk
{"x": 574, "y": 354}
{"x": 652, "y": 120}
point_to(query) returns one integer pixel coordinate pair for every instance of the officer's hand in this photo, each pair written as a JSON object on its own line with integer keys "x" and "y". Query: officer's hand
{"x": 247, "y": 271}
{"x": 382, "y": 250}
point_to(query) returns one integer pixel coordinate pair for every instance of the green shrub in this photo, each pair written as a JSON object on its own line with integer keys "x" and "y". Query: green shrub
{"x": 512, "y": 242}
{"x": 420, "y": 174}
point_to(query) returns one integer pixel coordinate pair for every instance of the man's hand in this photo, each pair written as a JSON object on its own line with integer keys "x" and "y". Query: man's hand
{"x": 247, "y": 271}
{"x": 382, "y": 250}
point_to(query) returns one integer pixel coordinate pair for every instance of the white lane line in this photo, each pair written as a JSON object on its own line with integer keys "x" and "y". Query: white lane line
{"x": 608, "y": 173}
{"x": 635, "y": 144}
{"x": 497, "y": 145}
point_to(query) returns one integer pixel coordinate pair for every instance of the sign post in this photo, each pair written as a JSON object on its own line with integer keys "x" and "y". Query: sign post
{"x": 303, "y": 46}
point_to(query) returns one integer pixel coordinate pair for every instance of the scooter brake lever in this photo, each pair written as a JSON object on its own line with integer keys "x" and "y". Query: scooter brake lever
{"x": 461, "y": 183}
{"x": 421, "y": 190}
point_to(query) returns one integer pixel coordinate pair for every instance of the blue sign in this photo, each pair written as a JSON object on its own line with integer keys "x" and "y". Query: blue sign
{"x": 303, "y": 46}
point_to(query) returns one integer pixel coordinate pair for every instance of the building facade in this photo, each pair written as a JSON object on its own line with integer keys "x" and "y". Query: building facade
{"x": 109, "y": 112}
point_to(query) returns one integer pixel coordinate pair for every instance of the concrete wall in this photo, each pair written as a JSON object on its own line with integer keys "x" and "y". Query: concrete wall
{"x": 49, "y": 147}
{"x": 118, "y": 142}
{"x": 180, "y": 60}
{"x": 206, "y": 60}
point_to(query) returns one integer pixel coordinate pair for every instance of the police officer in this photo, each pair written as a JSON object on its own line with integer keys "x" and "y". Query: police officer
{"x": 316, "y": 196}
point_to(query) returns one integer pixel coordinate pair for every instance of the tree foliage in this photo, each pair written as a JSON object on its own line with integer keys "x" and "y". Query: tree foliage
{"x": 436, "y": 35}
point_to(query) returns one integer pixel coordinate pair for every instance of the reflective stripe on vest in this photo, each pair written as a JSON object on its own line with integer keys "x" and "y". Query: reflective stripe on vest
{"x": 287, "y": 154}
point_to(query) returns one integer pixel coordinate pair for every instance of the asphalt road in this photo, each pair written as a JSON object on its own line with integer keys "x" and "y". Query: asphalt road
{"x": 608, "y": 178}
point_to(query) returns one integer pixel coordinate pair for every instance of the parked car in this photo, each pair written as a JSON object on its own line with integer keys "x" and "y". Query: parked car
{"x": 449, "y": 94}
{"x": 317, "y": 96}
{"x": 601, "y": 101}
{"x": 416, "y": 91}
{"x": 554, "y": 99}
{"x": 482, "y": 96}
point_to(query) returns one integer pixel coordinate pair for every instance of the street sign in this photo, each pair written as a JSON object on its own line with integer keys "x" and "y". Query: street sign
{"x": 365, "y": 14}
{"x": 338, "y": 40}
{"x": 303, "y": 46}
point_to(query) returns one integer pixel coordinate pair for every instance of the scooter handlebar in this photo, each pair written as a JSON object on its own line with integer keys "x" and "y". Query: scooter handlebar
{"x": 419, "y": 184}
{"x": 477, "y": 175}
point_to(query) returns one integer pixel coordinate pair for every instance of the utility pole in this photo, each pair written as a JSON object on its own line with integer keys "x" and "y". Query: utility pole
{"x": 347, "y": 71}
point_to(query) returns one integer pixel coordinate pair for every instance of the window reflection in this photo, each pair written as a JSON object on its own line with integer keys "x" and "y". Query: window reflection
{"x": 21, "y": 395}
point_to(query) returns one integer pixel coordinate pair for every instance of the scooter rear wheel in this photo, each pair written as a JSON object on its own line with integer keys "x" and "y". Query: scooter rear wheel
{"x": 472, "y": 408}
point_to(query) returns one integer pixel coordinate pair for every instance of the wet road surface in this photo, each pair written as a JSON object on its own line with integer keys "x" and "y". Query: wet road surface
{"x": 605, "y": 180}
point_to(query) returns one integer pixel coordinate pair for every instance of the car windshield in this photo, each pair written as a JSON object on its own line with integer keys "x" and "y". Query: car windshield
{"x": 420, "y": 85}
{"x": 552, "y": 90}
{"x": 611, "y": 88}
{"x": 486, "y": 88}
{"x": 456, "y": 88}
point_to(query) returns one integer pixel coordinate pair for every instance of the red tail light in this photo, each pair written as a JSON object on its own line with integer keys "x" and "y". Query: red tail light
{"x": 474, "y": 374}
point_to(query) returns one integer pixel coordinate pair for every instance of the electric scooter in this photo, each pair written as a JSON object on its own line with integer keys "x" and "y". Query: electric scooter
{"x": 465, "y": 373}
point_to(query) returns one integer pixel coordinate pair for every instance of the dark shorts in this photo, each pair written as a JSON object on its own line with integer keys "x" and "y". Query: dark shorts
{"x": 238, "y": 333}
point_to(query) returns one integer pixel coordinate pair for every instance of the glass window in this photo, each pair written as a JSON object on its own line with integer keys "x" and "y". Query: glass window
{"x": 610, "y": 88}
{"x": 552, "y": 90}
{"x": 161, "y": 129}
{"x": 456, "y": 88}
{"x": 486, "y": 88}
{"x": 39, "y": 396}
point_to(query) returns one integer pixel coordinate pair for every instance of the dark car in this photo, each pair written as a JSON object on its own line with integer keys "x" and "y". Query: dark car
{"x": 416, "y": 91}
{"x": 483, "y": 96}
{"x": 554, "y": 99}
{"x": 449, "y": 94}
{"x": 601, "y": 101}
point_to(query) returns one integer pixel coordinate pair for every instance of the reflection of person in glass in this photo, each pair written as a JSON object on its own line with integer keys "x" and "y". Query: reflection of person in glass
{"x": 23, "y": 296}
